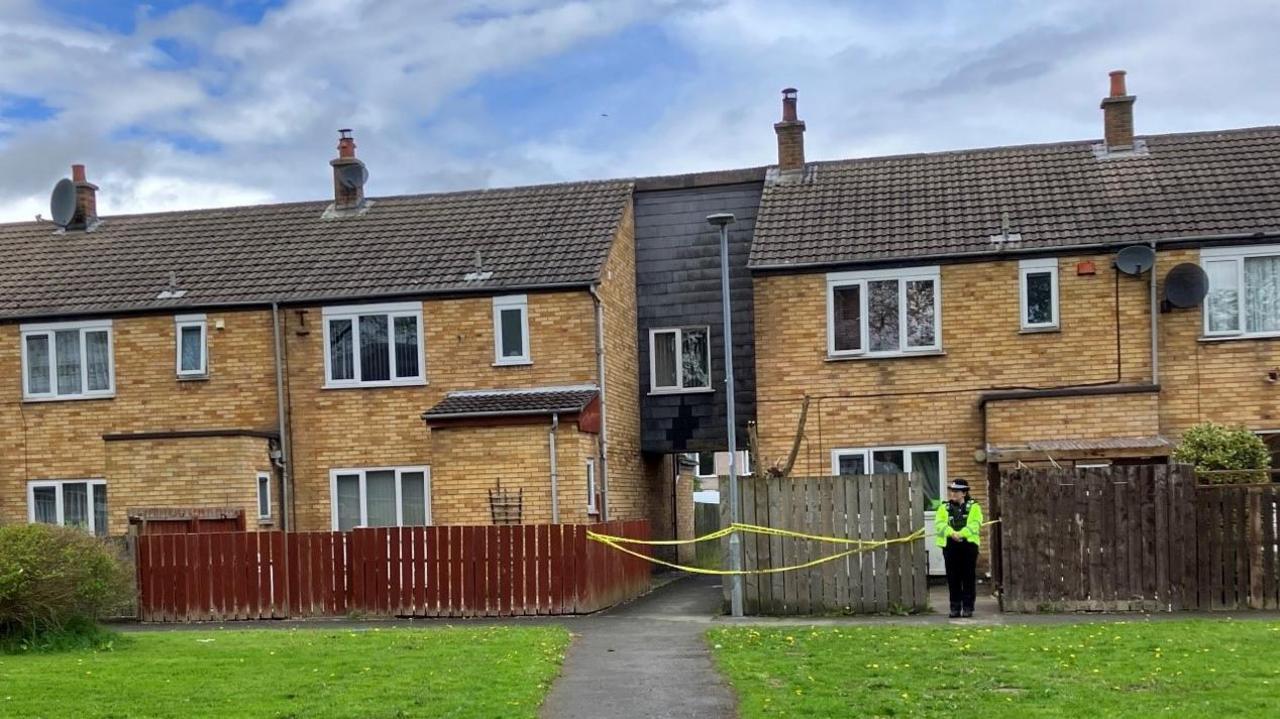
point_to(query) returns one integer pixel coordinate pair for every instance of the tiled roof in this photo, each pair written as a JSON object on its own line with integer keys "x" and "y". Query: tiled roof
{"x": 481, "y": 403}
{"x": 419, "y": 244}
{"x": 1055, "y": 195}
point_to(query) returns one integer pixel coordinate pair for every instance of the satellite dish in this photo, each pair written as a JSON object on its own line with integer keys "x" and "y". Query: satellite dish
{"x": 62, "y": 204}
{"x": 1135, "y": 259}
{"x": 353, "y": 176}
{"x": 1186, "y": 285}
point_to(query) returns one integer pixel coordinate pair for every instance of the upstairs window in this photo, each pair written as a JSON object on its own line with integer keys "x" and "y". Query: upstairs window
{"x": 883, "y": 313}
{"x": 680, "y": 359}
{"x": 511, "y": 330}
{"x": 67, "y": 360}
{"x": 75, "y": 503}
{"x": 1038, "y": 293}
{"x": 192, "y": 345}
{"x": 373, "y": 345}
{"x": 1244, "y": 291}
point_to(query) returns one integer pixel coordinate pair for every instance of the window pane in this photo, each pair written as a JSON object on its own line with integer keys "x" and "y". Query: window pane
{"x": 928, "y": 466}
{"x": 882, "y": 315}
{"x": 1223, "y": 303}
{"x": 380, "y": 497}
{"x": 707, "y": 464}
{"x": 846, "y": 316}
{"x": 375, "y": 353}
{"x": 67, "y": 343}
{"x": 920, "y": 314}
{"x": 348, "y": 500}
{"x": 191, "y": 348}
{"x": 887, "y": 461}
{"x": 264, "y": 496}
{"x": 38, "y": 364}
{"x": 413, "y": 499}
{"x": 1039, "y": 298}
{"x": 696, "y": 357}
{"x": 851, "y": 464}
{"x": 591, "y": 485}
{"x": 75, "y": 504}
{"x": 46, "y": 504}
{"x": 406, "y": 346}
{"x": 341, "y": 362}
{"x": 100, "y": 510}
{"x": 1262, "y": 294}
{"x": 512, "y": 332}
{"x": 99, "y": 360}
{"x": 664, "y": 359}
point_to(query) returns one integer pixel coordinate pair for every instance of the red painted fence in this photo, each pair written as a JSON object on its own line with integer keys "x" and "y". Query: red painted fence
{"x": 454, "y": 571}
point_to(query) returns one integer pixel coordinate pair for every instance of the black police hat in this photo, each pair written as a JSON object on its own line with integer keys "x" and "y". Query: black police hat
{"x": 959, "y": 485}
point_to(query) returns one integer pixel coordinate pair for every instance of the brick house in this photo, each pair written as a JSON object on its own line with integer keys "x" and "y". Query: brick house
{"x": 325, "y": 364}
{"x": 951, "y": 312}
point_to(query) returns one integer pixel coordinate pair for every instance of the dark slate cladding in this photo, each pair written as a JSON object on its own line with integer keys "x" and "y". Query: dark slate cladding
{"x": 678, "y": 285}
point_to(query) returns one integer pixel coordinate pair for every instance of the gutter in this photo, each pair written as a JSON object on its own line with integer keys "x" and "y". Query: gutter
{"x": 286, "y": 466}
{"x": 555, "y": 479}
{"x": 603, "y": 439}
{"x": 1017, "y": 251}
{"x": 502, "y": 413}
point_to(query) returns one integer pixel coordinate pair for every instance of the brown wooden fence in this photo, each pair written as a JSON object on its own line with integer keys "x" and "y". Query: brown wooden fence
{"x": 1133, "y": 538}
{"x": 873, "y": 508}
{"x": 451, "y": 571}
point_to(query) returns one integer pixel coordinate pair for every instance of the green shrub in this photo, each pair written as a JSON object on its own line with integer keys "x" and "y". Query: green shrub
{"x": 1224, "y": 455}
{"x": 54, "y": 581}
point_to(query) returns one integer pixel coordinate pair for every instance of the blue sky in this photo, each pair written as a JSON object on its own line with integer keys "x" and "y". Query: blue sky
{"x": 177, "y": 104}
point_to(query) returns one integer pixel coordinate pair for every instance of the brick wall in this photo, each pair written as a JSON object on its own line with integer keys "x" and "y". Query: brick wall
{"x": 63, "y": 440}
{"x": 1013, "y": 422}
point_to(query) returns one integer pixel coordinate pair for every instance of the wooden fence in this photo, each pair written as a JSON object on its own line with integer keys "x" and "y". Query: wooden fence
{"x": 1133, "y": 538}
{"x": 450, "y": 571}
{"x": 869, "y": 507}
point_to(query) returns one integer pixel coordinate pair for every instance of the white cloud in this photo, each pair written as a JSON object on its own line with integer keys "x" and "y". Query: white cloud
{"x": 252, "y": 117}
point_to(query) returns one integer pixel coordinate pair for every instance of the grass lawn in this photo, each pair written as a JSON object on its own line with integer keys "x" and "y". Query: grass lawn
{"x": 445, "y": 672}
{"x": 1203, "y": 668}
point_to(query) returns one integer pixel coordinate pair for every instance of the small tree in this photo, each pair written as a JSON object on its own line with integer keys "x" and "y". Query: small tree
{"x": 1224, "y": 455}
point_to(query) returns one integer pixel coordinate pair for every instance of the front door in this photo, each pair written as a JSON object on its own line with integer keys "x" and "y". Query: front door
{"x": 930, "y": 461}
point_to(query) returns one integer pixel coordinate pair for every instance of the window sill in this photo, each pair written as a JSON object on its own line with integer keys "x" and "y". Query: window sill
{"x": 513, "y": 363}
{"x": 1039, "y": 330}
{"x": 266, "y": 522}
{"x": 75, "y": 398}
{"x": 697, "y": 390}
{"x": 193, "y": 378}
{"x": 1238, "y": 338}
{"x": 893, "y": 355}
{"x": 377, "y": 385}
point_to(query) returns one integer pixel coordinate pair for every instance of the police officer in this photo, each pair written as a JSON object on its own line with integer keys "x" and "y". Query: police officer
{"x": 956, "y": 526}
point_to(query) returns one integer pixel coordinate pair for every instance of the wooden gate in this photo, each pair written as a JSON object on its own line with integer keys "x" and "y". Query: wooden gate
{"x": 868, "y": 507}
{"x": 1238, "y": 546}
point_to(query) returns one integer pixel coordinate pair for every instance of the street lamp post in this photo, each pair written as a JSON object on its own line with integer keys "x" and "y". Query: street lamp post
{"x": 722, "y": 220}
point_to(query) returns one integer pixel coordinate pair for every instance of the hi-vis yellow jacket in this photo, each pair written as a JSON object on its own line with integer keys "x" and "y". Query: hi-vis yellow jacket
{"x": 972, "y": 524}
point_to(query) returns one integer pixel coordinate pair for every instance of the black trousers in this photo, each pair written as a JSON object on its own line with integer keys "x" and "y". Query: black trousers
{"x": 962, "y": 566}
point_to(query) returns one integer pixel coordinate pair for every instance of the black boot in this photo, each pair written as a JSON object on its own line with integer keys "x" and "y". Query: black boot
{"x": 955, "y": 610}
{"x": 966, "y": 612}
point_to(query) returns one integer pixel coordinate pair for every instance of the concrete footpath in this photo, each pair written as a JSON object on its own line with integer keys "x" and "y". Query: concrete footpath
{"x": 648, "y": 658}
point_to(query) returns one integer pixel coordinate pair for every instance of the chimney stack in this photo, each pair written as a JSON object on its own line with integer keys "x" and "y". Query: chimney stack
{"x": 790, "y": 135}
{"x": 1117, "y": 115}
{"x": 348, "y": 174}
{"x": 86, "y": 199}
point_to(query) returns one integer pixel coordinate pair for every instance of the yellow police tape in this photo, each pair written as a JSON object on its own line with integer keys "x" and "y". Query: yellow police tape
{"x": 862, "y": 546}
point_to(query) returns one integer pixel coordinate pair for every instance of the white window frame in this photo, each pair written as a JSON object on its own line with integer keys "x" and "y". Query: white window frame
{"x": 511, "y": 302}
{"x": 591, "y": 487}
{"x": 261, "y": 485}
{"x": 181, "y": 322}
{"x": 903, "y": 275}
{"x": 906, "y": 450}
{"x": 697, "y": 456}
{"x": 678, "y": 387}
{"x": 1035, "y": 267}
{"x": 1238, "y": 255}
{"x": 353, "y": 313}
{"x": 58, "y": 484}
{"x": 364, "y": 496}
{"x": 48, "y": 329}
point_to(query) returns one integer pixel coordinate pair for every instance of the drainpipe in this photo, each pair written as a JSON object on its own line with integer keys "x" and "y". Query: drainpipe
{"x": 1155, "y": 314}
{"x": 286, "y": 466}
{"x": 555, "y": 479}
{"x": 604, "y": 416}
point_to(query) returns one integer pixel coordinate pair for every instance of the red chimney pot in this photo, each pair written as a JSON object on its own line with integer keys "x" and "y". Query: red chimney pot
{"x": 77, "y": 173}
{"x": 1117, "y": 83}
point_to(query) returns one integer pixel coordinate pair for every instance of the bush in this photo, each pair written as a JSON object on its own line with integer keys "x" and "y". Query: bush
{"x": 54, "y": 581}
{"x": 1224, "y": 455}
